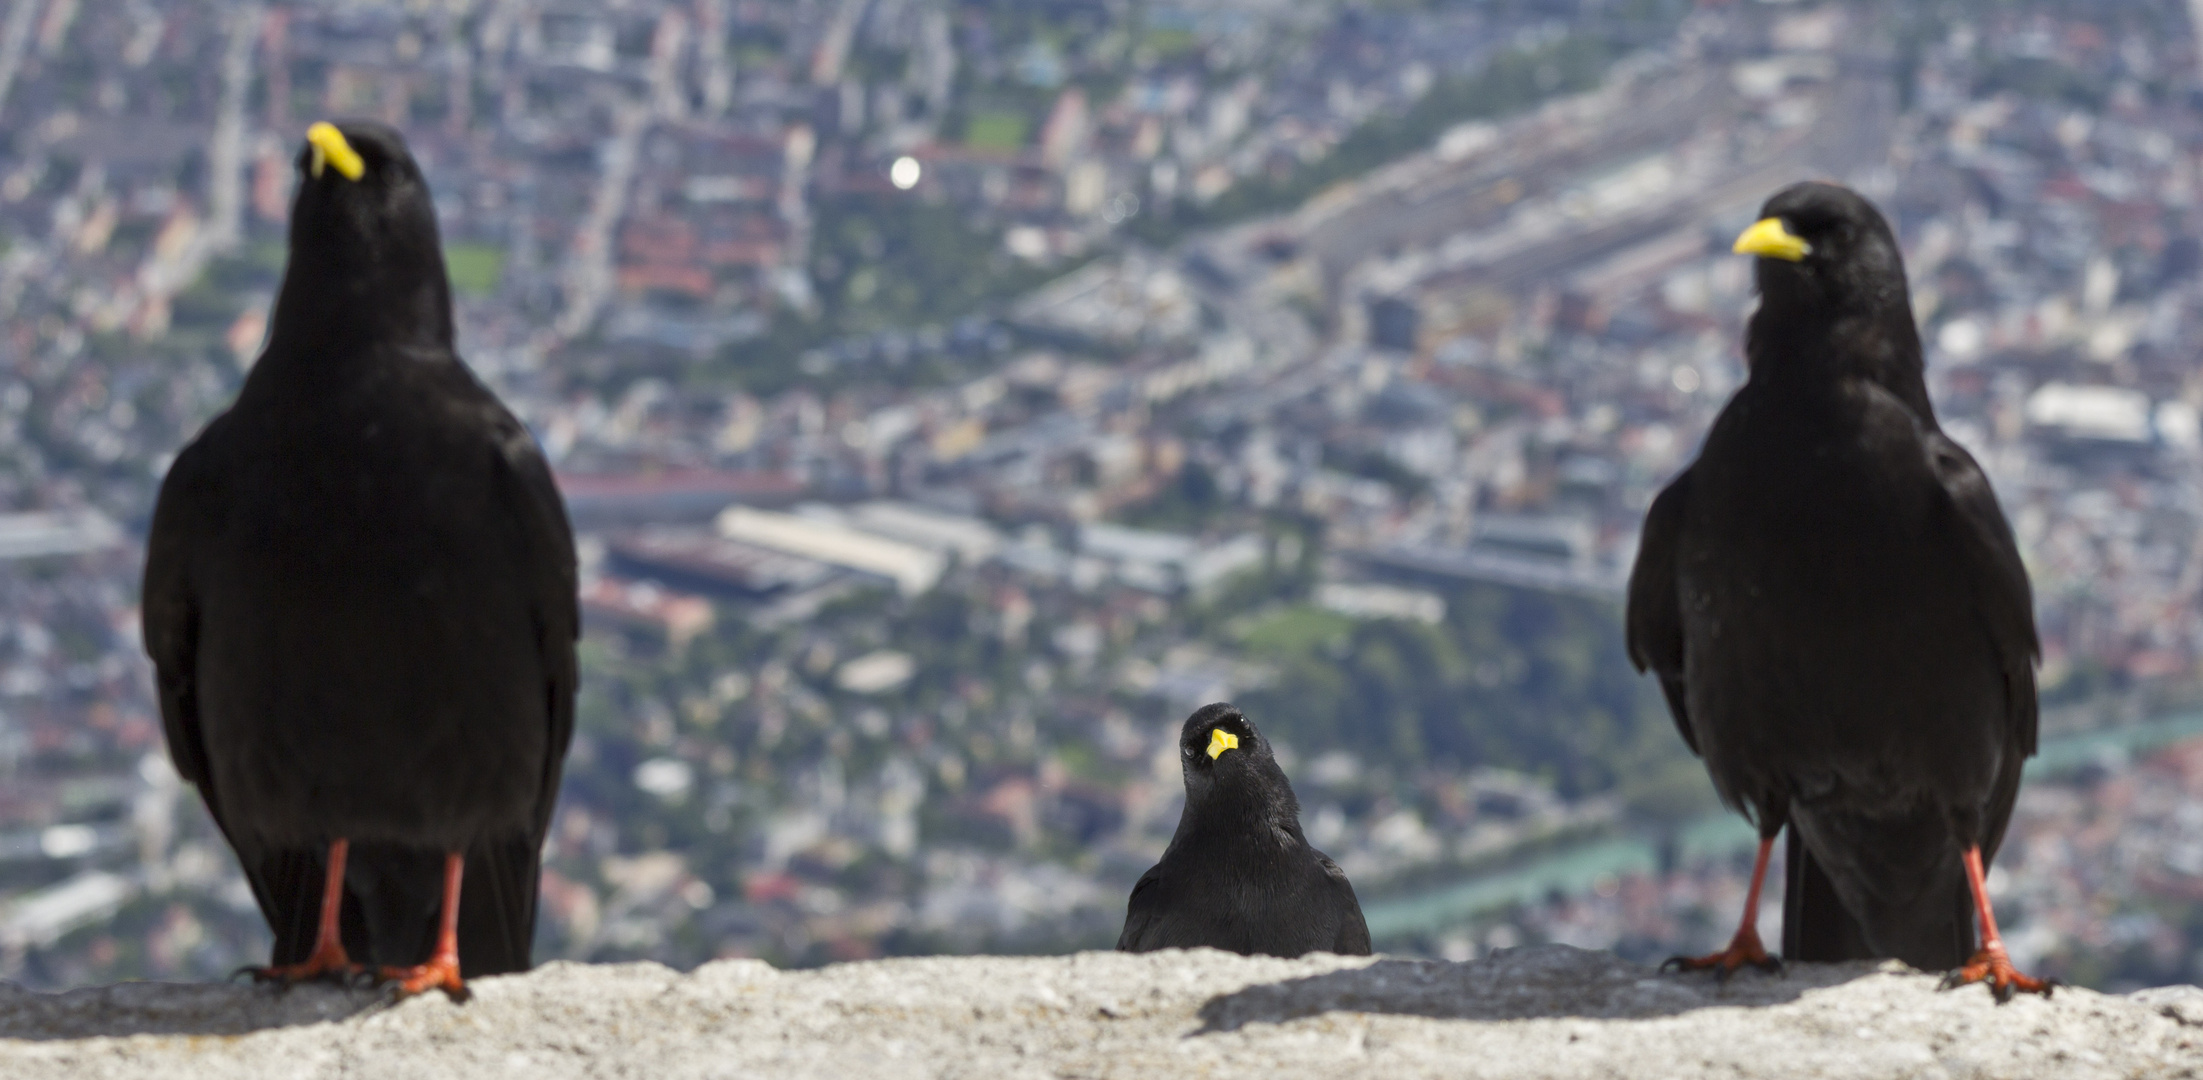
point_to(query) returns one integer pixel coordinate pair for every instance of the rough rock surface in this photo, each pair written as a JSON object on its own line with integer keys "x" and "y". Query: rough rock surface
{"x": 1540, "y": 1012}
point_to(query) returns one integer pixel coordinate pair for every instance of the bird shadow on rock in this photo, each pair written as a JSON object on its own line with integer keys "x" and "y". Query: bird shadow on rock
{"x": 1515, "y": 984}
{"x": 150, "y": 1008}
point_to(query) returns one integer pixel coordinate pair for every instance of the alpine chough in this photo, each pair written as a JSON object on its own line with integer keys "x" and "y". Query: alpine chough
{"x": 1238, "y": 874}
{"x": 360, "y": 604}
{"x": 1839, "y": 618}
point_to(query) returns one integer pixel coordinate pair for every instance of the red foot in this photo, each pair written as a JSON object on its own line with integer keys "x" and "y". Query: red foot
{"x": 1743, "y": 949}
{"x": 1992, "y": 966}
{"x": 442, "y": 970}
{"x": 440, "y": 973}
{"x": 328, "y": 962}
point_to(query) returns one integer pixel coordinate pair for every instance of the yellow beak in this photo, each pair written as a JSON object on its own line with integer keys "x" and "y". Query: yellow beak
{"x": 1769, "y": 238}
{"x": 1221, "y": 740}
{"x": 331, "y": 149}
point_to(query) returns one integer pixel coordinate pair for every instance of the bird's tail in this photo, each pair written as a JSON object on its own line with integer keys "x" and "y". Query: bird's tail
{"x": 1933, "y": 930}
{"x": 497, "y": 906}
{"x": 1815, "y": 926}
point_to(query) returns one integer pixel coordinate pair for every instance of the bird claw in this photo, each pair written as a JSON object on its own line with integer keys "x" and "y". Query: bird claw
{"x": 1744, "y": 951}
{"x": 1992, "y": 966}
{"x": 337, "y": 970}
{"x": 440, "y": 973}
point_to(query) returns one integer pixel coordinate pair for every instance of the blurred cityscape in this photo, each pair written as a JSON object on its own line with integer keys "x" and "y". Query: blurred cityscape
{"x": 951, "y": 395}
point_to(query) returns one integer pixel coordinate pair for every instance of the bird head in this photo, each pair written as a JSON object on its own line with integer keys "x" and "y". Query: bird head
{"x": 364, "y": 251}
{"x": 1220, "y": 751}
{"x": 1823, "y": 246}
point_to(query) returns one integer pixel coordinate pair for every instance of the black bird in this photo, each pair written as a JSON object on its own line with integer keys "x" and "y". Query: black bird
{"x": 360, "y": 604}
{"x": 1839, "y": 617}
{"x": 1238, "y": 874}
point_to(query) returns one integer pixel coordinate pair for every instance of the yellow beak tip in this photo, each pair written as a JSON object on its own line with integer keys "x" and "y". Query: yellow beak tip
{"x": 1769, "y": 238}
{"x": 331, "y": 149}
{"x": 1220, "y": 741}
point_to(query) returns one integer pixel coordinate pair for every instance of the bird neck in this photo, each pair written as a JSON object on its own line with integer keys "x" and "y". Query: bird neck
{"x": 1260, "y": 826}
{"x": 332, "y": 307}
{"x": 1815, "y": 350}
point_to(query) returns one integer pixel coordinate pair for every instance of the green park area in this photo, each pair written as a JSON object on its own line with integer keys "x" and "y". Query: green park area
{"x": 475, "y": 269}
{"x": 999, "y": 131}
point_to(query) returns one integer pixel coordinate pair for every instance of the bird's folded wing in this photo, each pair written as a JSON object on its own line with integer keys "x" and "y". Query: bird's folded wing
{"x": 169, "y": 611}
{"x": 1139, "y": 913}
{"x": 1998, "y": 581}
{"x": 171, "y": 619}
{"x": 1655, "y": 619}
{"x": 547, "y": 557}
{"x": 1998, "y": 578}
{"x": 1353, "y": 937}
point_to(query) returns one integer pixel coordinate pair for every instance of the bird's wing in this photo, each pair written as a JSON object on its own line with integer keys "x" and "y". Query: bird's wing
{"x": 506, "y": 871}
{"x": 286, "y": 884}
{"x": 1655, "y": 620}
{"x": 1998, "y": 578}
{"x": 1140, "y": 912}
{"x": 547, "y": 560}
{"x": 2005, "y": 602}
{"x": 1353, "y": 929}
{"x": 170, "y": 617}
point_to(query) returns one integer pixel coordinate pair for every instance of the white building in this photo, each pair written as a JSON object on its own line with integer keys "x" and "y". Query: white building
{"x": 911, "y": 569}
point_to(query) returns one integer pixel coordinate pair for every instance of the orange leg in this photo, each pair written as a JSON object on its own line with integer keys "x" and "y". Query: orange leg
{"x": 1989, "y": 963}
{"x": 1744, "y": 948}
{"x": 328, "y": 957}
{"x": 442, "y": 970}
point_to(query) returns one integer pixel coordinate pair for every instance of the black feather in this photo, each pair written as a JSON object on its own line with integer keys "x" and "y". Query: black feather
{"x": 1238, "y": 874}
{"x": 1836, "y": 609}
{"x": 360, "y": 597}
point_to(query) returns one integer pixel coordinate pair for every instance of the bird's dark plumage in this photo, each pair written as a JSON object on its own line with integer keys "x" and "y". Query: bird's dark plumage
{"x": 1835, "y": 607}
{"x": 1238, "y": 874}
{"x": 360, "y": 594}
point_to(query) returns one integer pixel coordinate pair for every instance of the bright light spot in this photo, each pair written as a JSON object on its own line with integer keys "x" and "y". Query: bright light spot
{"x": 665, "y": 777}
{"x": 1961, "y": 339}
{"x": 1685, "y": 378}
{"x": 67, "y": 841}
{"x": 1027, "y": 242}
{"x": 905, "y": 172}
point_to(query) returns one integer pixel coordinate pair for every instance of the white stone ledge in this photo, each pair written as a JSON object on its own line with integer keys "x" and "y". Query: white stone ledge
{"x": 1540, "y": 1012}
